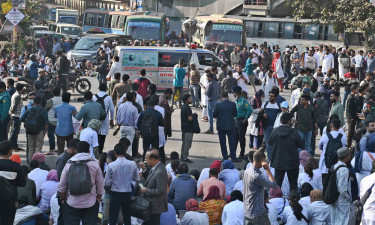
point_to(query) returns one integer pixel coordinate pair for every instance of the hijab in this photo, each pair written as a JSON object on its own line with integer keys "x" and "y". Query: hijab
{"x": 95, "y": 125}
{"x": 216, "y": 164}
{"x": 192, "y": 205}
{"x": 274, "y": 61}
{"x": 276, "y": 192}
{"x": 227, "y": 164}
{"x": 16, "y": 158}
{"x": 52, "y": 175}
{"x": 40, "y": 157}
{"x": 213, "y": 193}
{"x": 257, "y": 99}
{"x": 303, "y": 155}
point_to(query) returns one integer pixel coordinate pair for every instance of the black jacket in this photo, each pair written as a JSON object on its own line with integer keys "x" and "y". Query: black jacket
{"x": 351, "y": 107}
{"x": 285, "y": 142}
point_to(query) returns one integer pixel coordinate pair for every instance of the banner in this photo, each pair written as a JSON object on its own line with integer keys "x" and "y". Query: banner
{"x": 6, "y": 7}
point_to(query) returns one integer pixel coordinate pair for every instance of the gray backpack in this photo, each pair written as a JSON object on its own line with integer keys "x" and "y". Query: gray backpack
{"x": 79, "y": 178}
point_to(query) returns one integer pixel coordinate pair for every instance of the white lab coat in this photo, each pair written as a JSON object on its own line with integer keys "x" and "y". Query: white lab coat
{"x": 115, "y": 68}
{"x": 279, "y": 69}
{"x": 204, "y": 82}
{"x": 162, "y": 140}
{"x": 267, "y": 84}
{"x": 319, "y": 213}
{"x": 368, "y": 217}
{"x": 328, "y": 62}
{"x": 109, "y": 109}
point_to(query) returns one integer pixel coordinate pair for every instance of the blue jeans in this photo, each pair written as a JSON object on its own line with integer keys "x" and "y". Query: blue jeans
{"x": 211, "y": 106}
{"x": 119, "y": 199}
{"x": 4, "y": 128}
{"x": 306, "y": 136}
{"x": 15, "y": 132}
{"x": 346, "y": 94}
{"x": 51, "y": 136}
{"x": 288, "y": 77}
{"x": 195, "y": 97}
{"x": 223, "y": 143}
{"x": 267, "y": 133}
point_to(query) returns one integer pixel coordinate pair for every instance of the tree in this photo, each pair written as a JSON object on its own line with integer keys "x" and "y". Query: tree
{"x": 344, "y": 15}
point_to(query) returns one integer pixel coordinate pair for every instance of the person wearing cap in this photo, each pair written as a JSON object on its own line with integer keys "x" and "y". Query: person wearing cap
{"x": 344, "y": 63}
{"x": 341, "y": 210}
{"x": 105, "y": 46}
{"x": 194, "y": 83}
{"x": 284, "y": 109}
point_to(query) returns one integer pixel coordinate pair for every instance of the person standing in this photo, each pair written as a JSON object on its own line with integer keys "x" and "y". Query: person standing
{"x": 102, "y": 67}
{"x": 143, "y": 83}
{"x": 36, "y": 122}
{"x": 242, "y": 78}
{"x": 163, "y": 102}
{"x": 295, "y": 59}
{"x": 109, "y": 108}
{"x": 204, "y": 84}
{"x": 178, "y": 81}
{"x": 62, "y": 69}
{"x": 225, "y": 112}
{"x": 344, "y": 63}
{"x": 118, "y": 179}
{"x": 276, "y": 66}
{"x": 287, "y": 67}
{"x": 253, "y": 190}
{"x": 84, "y": 207}
{"x": 186, "y": 128}
{"x": 50, "y": 108}
{"x": 244, "y": 55}
{"x": 112, "y": 84}
{"x": 121, "y": 89}
{"x": 127, "y": 116}
{"x": 5, "y": 103}
{"x": 244, "y": 111}
{"x": 328, "y": 61}
{"x": 155, "y": 188}
{"x": 307, "y": 121}
{"x": 351, "y": 113}
{"x": 266, "y": 58}
{"x": 115, "y": 68}
{"x": 13, "y": 173}
{"x": 255, "y": 53}
{"x": 342, "y": 210}
{"x": 249, "y": 70}
{"x": 15, "y": 110}
{"x": 285, "y": 142}
{"x": 90, "y": 110}
{"x": 213, "y": 95}
{"x": 228, "y": 83}
{"x": 194, "y": 83}
{"x": 235, "y": 57}
{"x": 337, "y": 108}
{"x": 268, "y": 82}
{"x": 359, "y": 61}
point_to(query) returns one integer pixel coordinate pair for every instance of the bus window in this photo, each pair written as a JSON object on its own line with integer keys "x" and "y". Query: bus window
{"x": 208, "y": 59}
{"x": 114, "y": 21}
{"x": 121, "y": 22}
{"x": 311, "y": 32}
{"x": 103, "y": 20}
{"x": 331, "y": 34}
{"x": 170, "y": 59}
{"x": 298, "y": 31}
{"x": 94, "y": 21}
{"x": 88, "y": 19}
{"x": 249, "y": 29}
{"x": 288, "y": 30}
{"x": 271, "y": 30}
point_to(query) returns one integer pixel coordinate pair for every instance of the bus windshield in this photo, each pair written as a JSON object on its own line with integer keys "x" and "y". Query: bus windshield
{"x": 70, "y": 30}
{"x": 144, "y": 30}
{"x": 88, "y": 44}
{"x": 68, "y": 19}
{"x": 227, "y": 33}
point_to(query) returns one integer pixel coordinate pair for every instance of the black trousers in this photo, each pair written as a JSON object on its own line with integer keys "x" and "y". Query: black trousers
{"x": 7, "y": 213}
{"x": 351, "y": 130}
{"x": 292, "y": 177}
{"x": 135, "y": 145}
{"x": 146, "y": 145}
{"x": 154, "y": 220}
{"x": 162, "y": 154}
{"x": 118, "y": 200}
{"x": 73, "y": 216}
{"x": 240, "y": 134}
{"x": 101, "y": 140}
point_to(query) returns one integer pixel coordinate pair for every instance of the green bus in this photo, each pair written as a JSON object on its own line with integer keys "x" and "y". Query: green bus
{"x": 150, "y": 26}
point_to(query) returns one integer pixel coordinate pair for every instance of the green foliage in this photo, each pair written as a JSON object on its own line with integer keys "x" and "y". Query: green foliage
{"x": 344, "y": 15}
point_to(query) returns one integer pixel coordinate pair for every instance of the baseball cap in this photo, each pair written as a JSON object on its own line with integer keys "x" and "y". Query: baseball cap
{"x": 285, "y": 105}
{"x": 105, "y": 42}
{"x": 326, "y": 79}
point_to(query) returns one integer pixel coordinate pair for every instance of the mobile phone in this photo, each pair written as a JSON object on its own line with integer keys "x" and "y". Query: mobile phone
{"x": 141, "y": 185}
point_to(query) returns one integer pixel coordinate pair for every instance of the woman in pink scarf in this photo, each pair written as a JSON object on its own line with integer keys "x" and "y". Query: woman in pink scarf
{"x": 194, "y": 215}
{"x": 48, "y": 189}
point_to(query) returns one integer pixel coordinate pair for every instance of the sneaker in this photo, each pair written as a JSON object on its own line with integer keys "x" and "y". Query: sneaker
{"x": 187, "y": 160}
{"x": 209, "y": 132}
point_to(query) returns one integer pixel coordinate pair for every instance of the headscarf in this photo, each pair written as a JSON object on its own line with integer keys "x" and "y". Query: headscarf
{"x": 52, "y": 175}
{"x": 216, "y": 165}
{"x": 227, "y": 164}
{"x": 303, "y": 155}
{"x": 274, "y": 61}
{"x": 257, "y": 99}
{"x": 316, "y": 195}
{"x": 16, "y": 158}
{"x": 276, "y": 193}
{"x": 213, "y": 193}
{"x": 192, "y": 205}
{"x": 95, "y": 125}
{"x": 40, "y": 157}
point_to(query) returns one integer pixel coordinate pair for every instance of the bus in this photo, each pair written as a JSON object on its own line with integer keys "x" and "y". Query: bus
{"x": 51, "y": 11}
{"x": 301, "y": 33}
{"x": 104, "y": 21}
{"x": 150, "y": 26}
{"x": 225, "y": 31}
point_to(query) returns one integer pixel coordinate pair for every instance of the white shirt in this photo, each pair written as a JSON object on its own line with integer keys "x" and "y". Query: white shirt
{"x": 204, "y": 82}
{"x": 54, "y": 209}
{"x": 328, "y": 62}
{"x": 272, "y": 214}
{"x": 109, "y": 109}
{"x": 305, "y": 201}
{"x": 238, "y": 186}
{"x": 277, "y": 121}
{"x": 162, "y": 140}
{"x": 241, "y": 82}
{"x": 91, "y": 137}
{"x": 39, "y": 176}
{"x": 294, "y": 97}
{"x": 366, "y": 166}
{"x": 279, "y": 204}
{"x": 47, "y": 190}
{"x": 323, "y": 145}
{"x": 255, "y": 58}
{"x": 138, "y": 100}
{"x": 291, "y": 219}
{"x": 305, "y": 178}
{"x": 115, "y": 68}
{"x": 168, "y": 167}
{"x": 319, "y": 213}
{"x": 368, "y": 217}
{"x": 233, "y": 213}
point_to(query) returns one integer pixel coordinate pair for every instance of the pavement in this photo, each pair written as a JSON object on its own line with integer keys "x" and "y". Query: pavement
{"x": 205, "y": 147}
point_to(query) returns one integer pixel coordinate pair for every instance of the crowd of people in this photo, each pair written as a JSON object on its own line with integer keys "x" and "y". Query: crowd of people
{"x": 282, "y": 138}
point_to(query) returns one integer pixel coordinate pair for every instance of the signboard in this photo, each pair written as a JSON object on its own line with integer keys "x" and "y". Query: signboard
{"x": 140, "y": 59}
{"x": 15, "y": 16}
{"x": 20, "y": 4}
{"x": 6, "y": 7}
{"x": 217, "y": 26}
{"x": 8, "y": 28}
{"x": 143, "y": 24}
{"x": 139, "y": 5}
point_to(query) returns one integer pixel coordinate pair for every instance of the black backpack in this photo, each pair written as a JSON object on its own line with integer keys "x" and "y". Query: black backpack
{"x": 330, "y": 156}
{"x": 33, "y": 124}
{"x": 8, "y": 193}
{"x": 147, "y": 129}
{"x": 330, "y": 192}
{"x": 79, "y": 178}
{"x": 100, "y": 100}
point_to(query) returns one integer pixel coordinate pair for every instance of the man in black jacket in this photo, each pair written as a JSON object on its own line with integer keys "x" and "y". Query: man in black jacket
{"x": 285, "y": 142}
{"x": 62, "y": 67}
{"x": 351, "y": 113}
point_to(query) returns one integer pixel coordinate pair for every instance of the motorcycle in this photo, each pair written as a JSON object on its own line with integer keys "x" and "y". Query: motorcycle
{"x": 74, "y": 82}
